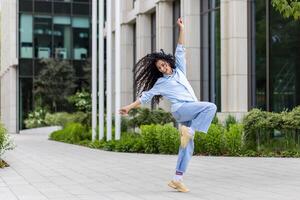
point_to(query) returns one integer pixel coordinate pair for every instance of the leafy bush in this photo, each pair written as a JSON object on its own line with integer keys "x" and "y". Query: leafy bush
{"x": 291, "y": 120}
{"x": 215, "y": 120}
{"x": 262, "y": 128}
{"x": 199, "y": 141}
{"x": 150, "y": 139}
{"x": 5, "y": 143}
{"x": 63, "y": 118}
{"x": 129, "y": 142}
{"x": 168, "y": 139}
{"x": 213, "y": 140}
{"x": 82, "y": 101}
{"x": 36, "y": 118}
{"x": 234, "y": 139}
{"x": 145, "y": 116}
{"x": 230, "y": 120}
{"x": 72, "y": 133}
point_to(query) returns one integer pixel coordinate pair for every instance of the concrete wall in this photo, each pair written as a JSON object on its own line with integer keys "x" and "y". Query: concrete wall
{"x": 9, "y": 61}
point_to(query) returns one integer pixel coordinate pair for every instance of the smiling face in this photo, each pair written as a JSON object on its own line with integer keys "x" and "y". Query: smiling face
{"x": 164, "y": 67}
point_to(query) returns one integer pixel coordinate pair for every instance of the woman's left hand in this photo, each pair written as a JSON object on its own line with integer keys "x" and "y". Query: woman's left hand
{"x": 180, "y": 23}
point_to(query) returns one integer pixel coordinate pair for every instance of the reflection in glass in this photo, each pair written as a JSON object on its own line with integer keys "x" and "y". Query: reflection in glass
{"x": 284, "y": 62}
{"x": 277, "y": 57}
{"x": 61, "y": 35}
{"x": 42, "y": 36}
{"x": 211, "y": 52}
{"x": 260, "y": 61}
{"x": 25, "y": 99}
{"x": 26, "y": 42}
{"x": 81, "y": 37}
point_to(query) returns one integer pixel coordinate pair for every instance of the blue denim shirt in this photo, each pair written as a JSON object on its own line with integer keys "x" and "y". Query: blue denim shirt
{"x": 175, "y": 87}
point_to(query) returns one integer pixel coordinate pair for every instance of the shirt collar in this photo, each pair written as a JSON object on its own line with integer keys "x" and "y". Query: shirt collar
{"x": 171, "y": 75}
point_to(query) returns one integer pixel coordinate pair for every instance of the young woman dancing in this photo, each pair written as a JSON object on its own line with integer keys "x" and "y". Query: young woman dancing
{"x": 159, "y": 74}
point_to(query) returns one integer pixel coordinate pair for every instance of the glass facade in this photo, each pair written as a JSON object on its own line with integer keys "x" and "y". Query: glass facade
{"x": 153, "y": 32}
{"x": 210, "y": 52}
{"x": 153, "y": 44}
{"x": 59, "y": 29}
{"x": 277, "y": 60}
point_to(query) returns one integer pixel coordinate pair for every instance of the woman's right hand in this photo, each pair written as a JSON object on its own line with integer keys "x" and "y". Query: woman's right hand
{"x": 124, "y": 110}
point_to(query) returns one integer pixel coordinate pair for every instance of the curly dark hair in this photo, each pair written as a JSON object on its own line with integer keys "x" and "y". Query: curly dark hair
{"x": 146, "y": 72}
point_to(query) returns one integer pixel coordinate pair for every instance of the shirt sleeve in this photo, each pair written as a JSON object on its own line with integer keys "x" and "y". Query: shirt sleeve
{"x": 148, "y": 95}
{"x": 180, "y": 58}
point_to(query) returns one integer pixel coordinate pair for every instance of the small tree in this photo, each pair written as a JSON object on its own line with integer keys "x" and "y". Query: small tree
{"x": 288, "y": 8}
{"x": 55, "y": 82}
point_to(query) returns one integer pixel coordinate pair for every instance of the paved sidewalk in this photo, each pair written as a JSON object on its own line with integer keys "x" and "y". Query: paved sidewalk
{"x": 42, "y": 169}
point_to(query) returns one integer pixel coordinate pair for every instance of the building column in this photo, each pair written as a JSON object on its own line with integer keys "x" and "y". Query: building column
{"x": 164, "y": 23}
{"x": 127, "y": 64}
{"x": 9, "y": 61}
{"x": 191, "y": 17}
{"x": 234, "y": 85}
{"x": 9, "y": 99}
{"x": 143, "y": 35}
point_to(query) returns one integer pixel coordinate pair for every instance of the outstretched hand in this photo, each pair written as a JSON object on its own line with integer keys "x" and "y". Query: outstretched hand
{"x": 124, "y": 110}
{"x": 180, "y": 23}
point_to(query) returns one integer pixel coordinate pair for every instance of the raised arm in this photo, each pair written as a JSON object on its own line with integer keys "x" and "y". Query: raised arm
{"x": 181, "y": 31}
{"x": 180, "y": 51}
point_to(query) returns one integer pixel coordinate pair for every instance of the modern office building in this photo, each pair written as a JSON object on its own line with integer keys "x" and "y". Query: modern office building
{"x": 33, "y": 30}
{"x": 240, "y": 53}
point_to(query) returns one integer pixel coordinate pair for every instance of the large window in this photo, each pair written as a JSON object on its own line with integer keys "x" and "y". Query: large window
{"x": 210, "y": 52}
{"x": 276, "y": 60}
{"x": 43, "y": 36}
{"x": 81, "y": 32}
{"x": 153, "y": 44}
{"x": 153, "y": 32}
{"x": 26, "y": 41}
{"x": 25, "y": 99}
{"x": 51, "y": 29}
{"x": 134, "y": 59}
{"x": 61, "y": 35}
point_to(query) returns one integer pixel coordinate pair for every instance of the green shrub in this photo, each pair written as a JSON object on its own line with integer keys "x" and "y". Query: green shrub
{"x": 36, "y": 118}
{"x": 97, "y": 144}
{"x": 229, "y": 120}
{"x": 261, "y": 128}
{"x": 234, "y": 139}
{"x": 5, "y": 141}
{"x": 72, "y": 133}
{"x": 150, "y": 139}
{"x": 128, "y": 142}
{"x": 213, "y": 140}
{"x": 82, "y": 101}
{"x": 145, "y": 116}
{"x": 291, "y": 120}
{"x": 168, "y": 139}
{"x": 215, "y": 120}
{"x": 110, "y": 145}
{"x": 199, "y": 141}
{"x": 63, "y": 118}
